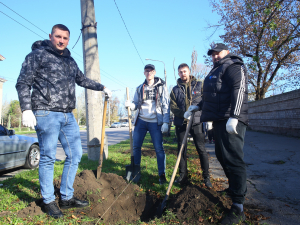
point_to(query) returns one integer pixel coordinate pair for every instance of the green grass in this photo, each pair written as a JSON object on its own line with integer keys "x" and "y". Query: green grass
{"x": 17, "y": 192}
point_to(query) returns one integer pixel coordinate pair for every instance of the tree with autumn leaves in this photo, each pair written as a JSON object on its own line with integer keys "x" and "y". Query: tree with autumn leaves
{"x": 267, "y": 34}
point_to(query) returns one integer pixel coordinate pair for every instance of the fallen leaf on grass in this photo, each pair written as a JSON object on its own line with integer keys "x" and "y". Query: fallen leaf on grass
{"x": 201, "y": 219}
{"x": 261, "y": 217}
{"x": 74, "y": 217}
{"x": 83, "y": 213}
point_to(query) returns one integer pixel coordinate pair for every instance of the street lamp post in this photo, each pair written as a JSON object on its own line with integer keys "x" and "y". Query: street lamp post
{"x": 164, "y": 69}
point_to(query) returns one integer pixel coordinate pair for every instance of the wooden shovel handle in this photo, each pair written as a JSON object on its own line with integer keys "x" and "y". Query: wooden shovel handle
{"x": 184, "y": 141}
{"x": 103, "y": 127}
{"x": 129, "y": 121}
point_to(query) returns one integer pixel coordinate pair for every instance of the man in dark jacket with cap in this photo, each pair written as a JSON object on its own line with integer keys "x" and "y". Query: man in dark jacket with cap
{"x": 225, "y": 97}
{"x": 188, "y": 92}
{"x": 51, "y": 72}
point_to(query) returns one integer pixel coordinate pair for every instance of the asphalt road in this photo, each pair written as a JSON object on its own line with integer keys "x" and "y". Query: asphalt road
{"x": 273, "y": 171}
{"x": 114, "y": 135}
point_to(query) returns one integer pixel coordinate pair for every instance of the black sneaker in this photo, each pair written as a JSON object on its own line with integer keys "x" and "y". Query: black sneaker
{"x": 53, "y": 210}
{"x": 72, "y": 203}
{"x": 162, "y": 179}
{"x": 235, "y": 216}
{"x": 207, "y": 182}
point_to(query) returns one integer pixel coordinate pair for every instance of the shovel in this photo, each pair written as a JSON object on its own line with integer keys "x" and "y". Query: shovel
{"x": 161, "y": 208}
{"x": 99, "y": 168}
{"x": 130, "y": 169}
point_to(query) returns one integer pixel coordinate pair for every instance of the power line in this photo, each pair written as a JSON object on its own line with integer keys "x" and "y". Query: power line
{"x": 112, "y": 79}
{"x": 128, "y": 32}
{"x": 33, "y": 25}
{"x": 116, "y": 80}
{"x": 22, "y": 25}
{"x": 24, "y": 18}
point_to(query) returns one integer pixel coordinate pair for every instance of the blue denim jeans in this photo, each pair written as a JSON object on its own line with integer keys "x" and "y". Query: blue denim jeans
{"x": 53, "y": 126}
{"x": 139, "y": 134}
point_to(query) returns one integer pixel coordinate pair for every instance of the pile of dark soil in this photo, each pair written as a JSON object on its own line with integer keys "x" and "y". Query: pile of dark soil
{"x": 194, "y": 205}
{"x": 115, "y": 201}
{"x": 111, "y": 199}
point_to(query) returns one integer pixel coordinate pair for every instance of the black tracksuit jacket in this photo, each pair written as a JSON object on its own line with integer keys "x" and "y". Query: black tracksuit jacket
{"x": 225, "y": 91}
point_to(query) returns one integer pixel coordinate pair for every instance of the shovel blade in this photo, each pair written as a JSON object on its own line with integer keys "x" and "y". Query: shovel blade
{"x": 133, "y": 173}
{"x": 129, "y": 172}
{"x": 162, "y": 207}
{"x": 99, "y": 168}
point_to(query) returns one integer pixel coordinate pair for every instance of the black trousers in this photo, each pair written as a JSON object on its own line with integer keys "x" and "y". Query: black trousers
{"x": 210, "y": 134}
{"x": 198, "y": 137}
{"x": 229, "y": 152}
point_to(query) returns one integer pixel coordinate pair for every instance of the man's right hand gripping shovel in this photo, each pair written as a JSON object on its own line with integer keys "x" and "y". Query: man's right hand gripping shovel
{"x": 28, "y": 119}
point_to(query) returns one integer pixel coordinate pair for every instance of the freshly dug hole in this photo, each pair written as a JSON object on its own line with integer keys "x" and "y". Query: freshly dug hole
{"x": 111, "y": 198}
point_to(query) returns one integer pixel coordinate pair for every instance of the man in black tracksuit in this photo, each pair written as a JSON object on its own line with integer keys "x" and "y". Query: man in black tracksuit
{"x": 225, "y": 97}
{"x": 188, "y": 92}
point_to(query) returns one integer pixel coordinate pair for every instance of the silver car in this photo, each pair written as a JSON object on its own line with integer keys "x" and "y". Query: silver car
{"x": 18, "y": 150}
{"x": 116, "y": 125}
{"x": 125, "y": 124}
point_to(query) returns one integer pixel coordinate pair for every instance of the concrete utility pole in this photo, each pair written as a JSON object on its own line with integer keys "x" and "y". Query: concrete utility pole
{"x": 94, "y": 105}
{"x": 1, "y": 85}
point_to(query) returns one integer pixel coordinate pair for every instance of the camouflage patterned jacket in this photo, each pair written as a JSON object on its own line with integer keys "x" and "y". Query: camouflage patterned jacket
{"x": 52, "y": 78}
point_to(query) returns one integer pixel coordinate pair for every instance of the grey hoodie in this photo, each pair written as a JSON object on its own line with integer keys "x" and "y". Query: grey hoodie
{"x": 143, "y": 103}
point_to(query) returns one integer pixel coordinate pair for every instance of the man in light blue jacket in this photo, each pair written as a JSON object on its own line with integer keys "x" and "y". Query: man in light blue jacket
{"x": 152, "y": 102}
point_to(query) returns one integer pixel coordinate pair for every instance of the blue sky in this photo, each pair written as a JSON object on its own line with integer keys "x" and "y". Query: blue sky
{"x": 161, "y": 30}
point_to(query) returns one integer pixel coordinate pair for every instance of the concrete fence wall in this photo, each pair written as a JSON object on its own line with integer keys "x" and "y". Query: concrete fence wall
{"x": 278, "y": 114}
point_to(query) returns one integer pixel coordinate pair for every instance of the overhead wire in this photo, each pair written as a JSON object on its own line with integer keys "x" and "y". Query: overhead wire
{"x": 24, "y": 18}
{"x": 33, "y": 25}
{"x": 116, "y": 80}
{"x": 129, "y": 33}
{"x": 21, "y": 24}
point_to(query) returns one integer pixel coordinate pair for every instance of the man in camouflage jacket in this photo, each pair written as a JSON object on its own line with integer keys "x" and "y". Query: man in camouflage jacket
{"x": 51, "y": 72}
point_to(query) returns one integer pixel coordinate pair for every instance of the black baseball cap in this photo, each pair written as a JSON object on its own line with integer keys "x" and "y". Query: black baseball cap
{"x": 149, "y": 66}
{"x": 217, "y": 48}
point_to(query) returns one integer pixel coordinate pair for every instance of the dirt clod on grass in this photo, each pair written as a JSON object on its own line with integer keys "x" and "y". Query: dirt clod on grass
{"x": 33, "y": 209}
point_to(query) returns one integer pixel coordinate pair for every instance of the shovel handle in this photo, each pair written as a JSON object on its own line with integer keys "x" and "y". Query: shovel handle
{"x": 179, "y": 155}
{"x": 130, "y": 127}
{"x": 103, "y": 130}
